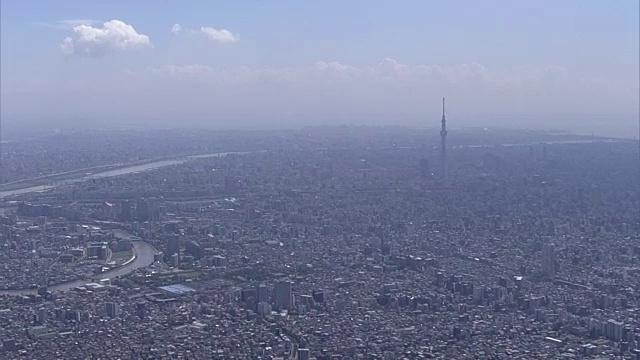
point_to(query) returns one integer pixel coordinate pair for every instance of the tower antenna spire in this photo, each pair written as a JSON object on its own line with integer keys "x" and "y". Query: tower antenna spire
{"x": 443, "y": 108}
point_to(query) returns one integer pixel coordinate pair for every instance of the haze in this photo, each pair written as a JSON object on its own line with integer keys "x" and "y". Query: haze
{"x": 570, "y": 65}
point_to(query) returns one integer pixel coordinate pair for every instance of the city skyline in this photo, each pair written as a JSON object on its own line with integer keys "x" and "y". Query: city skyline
{"x": 570, "y": 65}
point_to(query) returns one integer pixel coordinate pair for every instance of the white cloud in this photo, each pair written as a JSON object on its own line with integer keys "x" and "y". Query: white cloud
{"x": 177, "y": 70}
{"x": 67, "y": 45}
{"x": 221, "y": 36}
{"x": 114, "y": 35}
{"x": 77, "y": 22}
{"x": 176, "y": 28}
{"x": 69, "y": 24}
{"x": 388, "y": 71}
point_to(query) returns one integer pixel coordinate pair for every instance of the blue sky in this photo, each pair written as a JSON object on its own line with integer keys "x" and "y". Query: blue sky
{"x": 296, "y": 62}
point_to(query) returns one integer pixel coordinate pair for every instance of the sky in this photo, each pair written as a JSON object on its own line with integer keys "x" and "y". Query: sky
{"x": 570, "y": 64}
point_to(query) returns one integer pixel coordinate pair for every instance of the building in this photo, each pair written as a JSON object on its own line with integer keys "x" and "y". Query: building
{"x": 97, "y": 250}
{"x": 175, "y": 260}
{"x": 263, "y": 293}
{"x": 173, "y": 244}
{"x": 140, "y": 309}
{"x": 303, "y": 354}
{"x": 283, "y": 295}
{"x": 41, "y": 316}
{"x": 264, "y": 309}
{"x": 548, "y": 260}
{"x": 112, "y": 309}
{"x": 219, "y": 261}
{"x": 613, "y": 330}
{"x": 194, "y": 248}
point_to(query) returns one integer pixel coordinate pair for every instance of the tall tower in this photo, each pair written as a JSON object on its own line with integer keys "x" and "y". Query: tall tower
{"x": 443, "y": 144}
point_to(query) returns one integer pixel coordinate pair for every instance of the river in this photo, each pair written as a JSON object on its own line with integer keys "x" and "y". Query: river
{"x": 143, "y": 251}
{"x": 114, "y": 172}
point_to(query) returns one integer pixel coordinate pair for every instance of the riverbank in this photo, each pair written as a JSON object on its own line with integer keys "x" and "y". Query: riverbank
{"x": 74, "y": 174}
{"x": 71, "y": 177}
{"x": 143, "y": 254}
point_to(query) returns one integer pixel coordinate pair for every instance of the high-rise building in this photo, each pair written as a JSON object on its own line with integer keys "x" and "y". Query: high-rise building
{"x": 173, "y": 244}
{"x": 614, "y": 330}
{"x": 193, "y": 248}
{"x": 283, "y": 295}
{"x": 548, "y": 260}
{"x": 263, "y": 293}
{"x": 112, "y": 309}
{"x": 175, "y": 260}
{"x": 264, "y": 308}
{"x": 41, "y": 317}
{"x": 140, "y": 309}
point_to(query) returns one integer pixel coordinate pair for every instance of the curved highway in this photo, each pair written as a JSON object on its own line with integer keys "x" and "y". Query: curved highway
{"x": 143, "y": 251}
